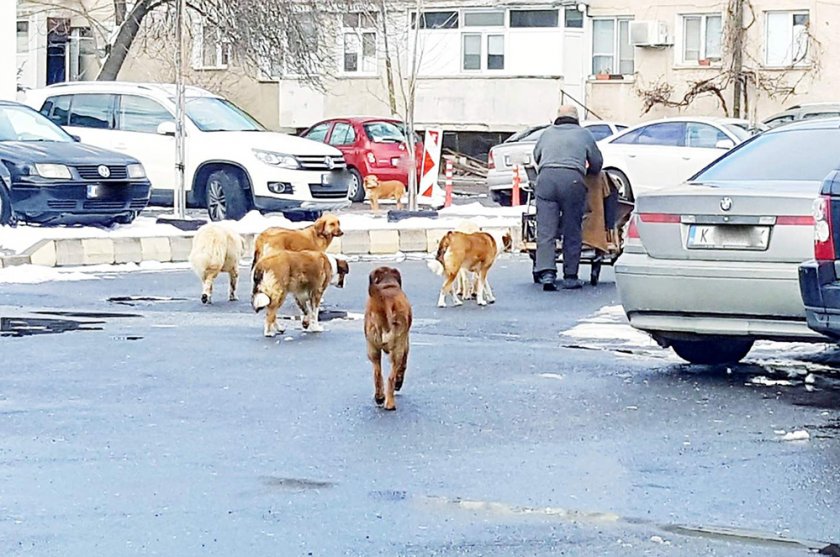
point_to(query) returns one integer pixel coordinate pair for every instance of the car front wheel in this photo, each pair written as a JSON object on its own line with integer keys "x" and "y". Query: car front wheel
{"x": 225, "y": 196}
{"x": 712, "y": 352}
{"x": 623, "y": 183}
{"x": 356, "y": 192}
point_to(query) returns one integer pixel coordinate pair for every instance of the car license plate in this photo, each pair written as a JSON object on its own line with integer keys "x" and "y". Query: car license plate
{"x": 737, "y": 237}
{"x": 93, "y": 191}
{"x": 325, "y": 179}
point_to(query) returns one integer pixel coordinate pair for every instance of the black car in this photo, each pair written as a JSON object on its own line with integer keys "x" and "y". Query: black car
{"x": 819, "y": 278}
{"x": 48, "y": 177}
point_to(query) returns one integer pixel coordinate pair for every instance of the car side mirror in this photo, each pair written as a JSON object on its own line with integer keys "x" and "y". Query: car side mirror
{"x": 166, "y": 128}
{"x": 76, "y": 138}
{"x": 725, "y": 144}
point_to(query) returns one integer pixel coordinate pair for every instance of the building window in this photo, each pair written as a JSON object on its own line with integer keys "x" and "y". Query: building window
{"x": 787, "y": 38}
{"x": 701, "y": 38}
{"x": 22, "y": 37}
{"x": 483, "y": 48}
{"x": 573, "y": 18}
{"x": 210, "y": 50}
{"x": 612, "y": 52}
{"x": 533, "y": 18}
{"x": 359, "y": 37}
{"x": 436, "y": 20}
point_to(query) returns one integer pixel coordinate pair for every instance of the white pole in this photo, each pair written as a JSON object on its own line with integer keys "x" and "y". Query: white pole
{"x": 180, "y": 201}
{"x": 8, "y": 40}
{"x": 412, "y": 93}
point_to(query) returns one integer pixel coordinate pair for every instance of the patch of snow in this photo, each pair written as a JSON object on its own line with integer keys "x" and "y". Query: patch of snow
{"x": 35, "y": 274}
{"x": 767, "y": 382}
{"x": 799, "y": 435}
{"x": 551, "y": 375}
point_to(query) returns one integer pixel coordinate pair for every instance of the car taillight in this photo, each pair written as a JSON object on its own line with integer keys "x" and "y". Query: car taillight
{"x": 823, "y": 230}
{"x": 659, "y": 218}
{"x": 491, "y": 164}
{"x": 633, "y": 229}
{"x": 371, "y": 159}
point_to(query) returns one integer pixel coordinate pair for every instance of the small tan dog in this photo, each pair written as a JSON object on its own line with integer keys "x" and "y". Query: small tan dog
{"x": 303, "y": 274}
{"x": 216, "y": 249}
{"x": 465, "y": 283}
{"x": 475, "y": 253}
{"x": 387, "y": 325}
{"x": 377, "y": 189}
{"x": 316, "y": 237}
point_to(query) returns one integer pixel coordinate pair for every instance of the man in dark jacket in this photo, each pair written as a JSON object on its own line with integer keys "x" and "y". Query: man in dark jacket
{"x": 564, "y": 154}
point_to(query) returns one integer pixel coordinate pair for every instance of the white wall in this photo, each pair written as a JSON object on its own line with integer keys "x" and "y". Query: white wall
{"x": 8, "y": 39}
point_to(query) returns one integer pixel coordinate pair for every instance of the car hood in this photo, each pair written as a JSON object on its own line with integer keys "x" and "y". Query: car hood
{"x": 276, "y": 142}
{"x": 60, "y": 152}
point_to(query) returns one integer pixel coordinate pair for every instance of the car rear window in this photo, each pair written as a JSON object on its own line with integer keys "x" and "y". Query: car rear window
{"x": 384, "y": 132}
{"x": 778, "y": 157}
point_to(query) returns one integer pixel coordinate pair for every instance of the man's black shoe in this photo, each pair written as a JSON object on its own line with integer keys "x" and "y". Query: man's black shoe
{"x": 548, "y": 281}
{"x": 572, "y": 283}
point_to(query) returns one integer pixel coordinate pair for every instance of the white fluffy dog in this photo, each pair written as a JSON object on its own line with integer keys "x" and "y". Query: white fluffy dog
{"x": 216, "y": 249}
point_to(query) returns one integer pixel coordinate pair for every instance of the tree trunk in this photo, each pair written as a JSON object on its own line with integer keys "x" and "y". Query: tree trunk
{"x": 125, "y": 37}
{"x": 737, "y": 57}
{"x": 389, "y": 70}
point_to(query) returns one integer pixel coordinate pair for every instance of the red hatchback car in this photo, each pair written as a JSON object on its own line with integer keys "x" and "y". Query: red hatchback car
{"x": 370, "y": 146}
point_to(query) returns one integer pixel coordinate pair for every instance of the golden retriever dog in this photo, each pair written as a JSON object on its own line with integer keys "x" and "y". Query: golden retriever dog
{"x": 387, "y": 324}
{"x": 475, "y": 252}
{"x": 377, "y": 189}
{"x": 303, "y": 274}
{"x": 316, "y": 237}
{"x": 216, "y": 249}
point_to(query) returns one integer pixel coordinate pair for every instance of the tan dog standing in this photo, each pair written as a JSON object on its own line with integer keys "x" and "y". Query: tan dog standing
{"x": 303, "y": 274}
{"x": 216, "y": 249}
{"x": 387, "y": 324}
{"x": 474, "y": 253}
{"x": 377, "y": 189}
{"x": 316, "y": 237}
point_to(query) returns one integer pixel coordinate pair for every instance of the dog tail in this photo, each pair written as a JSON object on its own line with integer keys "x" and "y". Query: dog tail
{"x": 435, "y": 266}
{"x": 259, "y": 299}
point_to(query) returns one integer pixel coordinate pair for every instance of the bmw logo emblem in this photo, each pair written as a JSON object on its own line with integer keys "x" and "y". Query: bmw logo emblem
{"x": 104, "y": 171}
{"x": 329, "y": 162}
{"x": 726, "y": 204}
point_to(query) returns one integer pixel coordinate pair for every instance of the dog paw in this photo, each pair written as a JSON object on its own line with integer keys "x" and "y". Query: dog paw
{"x": 441, "y": 304}
{"x": 233, "y": 298}
{"x": 269, "y": 334}
{"x": 205, "y": 299}
{"x": 457, "y": 303}
{"x": 392, "y": 407}
{"x": 379, "y": 400}
{"x": 315, "y": 328}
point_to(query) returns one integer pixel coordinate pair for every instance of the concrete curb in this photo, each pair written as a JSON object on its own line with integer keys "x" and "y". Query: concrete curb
{"x": 76, "y": 252}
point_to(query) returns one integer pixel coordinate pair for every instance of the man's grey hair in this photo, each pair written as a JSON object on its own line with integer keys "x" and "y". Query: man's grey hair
{"x": 568, "y": 111}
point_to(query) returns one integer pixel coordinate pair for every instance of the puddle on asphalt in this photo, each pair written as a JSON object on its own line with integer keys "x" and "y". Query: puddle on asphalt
{"x": 135, "y": 300}
{"x": 17, "y": 327}
{"x": 298, "y": 484}
{"x": 325, "y": 314}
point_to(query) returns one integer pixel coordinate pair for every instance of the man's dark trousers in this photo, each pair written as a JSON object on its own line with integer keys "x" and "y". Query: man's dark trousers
{"x": 560, "y": 190}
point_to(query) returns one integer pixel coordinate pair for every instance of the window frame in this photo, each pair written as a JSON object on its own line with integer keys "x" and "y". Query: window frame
{"x": 702, "y": 47}
{"x": 22, "y": 35}
{"x": 555, "y": 10}
{"x": 616, "y": 46}
{"x": 366, "y": 25}
{"x": 223, "y": 49}
{"x": 639, "y": 132}
{"x": 111, "y": 110}
{"x": 333, "y": 129}
{"x": 118, "y": 112}
{"x": 483, "y": 32}
{"x": 806, "y": 60}
{"x": 327, "y": 125}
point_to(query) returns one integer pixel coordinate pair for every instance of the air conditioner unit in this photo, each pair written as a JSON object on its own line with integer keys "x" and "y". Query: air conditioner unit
{"x": 649, "y": 33}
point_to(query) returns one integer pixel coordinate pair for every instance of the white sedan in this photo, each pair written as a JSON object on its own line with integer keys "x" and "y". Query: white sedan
{"x": 667, "y": 152}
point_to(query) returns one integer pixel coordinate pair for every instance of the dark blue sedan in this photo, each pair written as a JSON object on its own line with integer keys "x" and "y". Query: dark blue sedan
{"x": 48, "y": 177}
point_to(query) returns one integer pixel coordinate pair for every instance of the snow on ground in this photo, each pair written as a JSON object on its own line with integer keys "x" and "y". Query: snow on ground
{"x": 35, "y": 274}
{"x": 22, "y": 237}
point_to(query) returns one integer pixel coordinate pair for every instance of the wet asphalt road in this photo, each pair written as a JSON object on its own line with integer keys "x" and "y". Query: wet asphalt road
{"x": 177, "y": 429}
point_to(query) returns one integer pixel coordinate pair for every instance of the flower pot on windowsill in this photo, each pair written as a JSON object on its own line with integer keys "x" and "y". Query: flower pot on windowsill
{"x": 705, "y": 62}
{"x": 616, "y": 76}
{"x": 602, "y": 76}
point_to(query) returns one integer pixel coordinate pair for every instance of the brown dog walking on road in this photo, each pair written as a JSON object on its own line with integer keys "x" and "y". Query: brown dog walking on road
{"x": 387, "y": 323}
{"x": 316, "y": 237}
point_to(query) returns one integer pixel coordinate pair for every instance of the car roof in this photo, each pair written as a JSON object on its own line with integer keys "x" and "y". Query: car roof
{"x": 360, "y": 119}
{"x": 815, "y": 124}
{"x": 166, "y": 89}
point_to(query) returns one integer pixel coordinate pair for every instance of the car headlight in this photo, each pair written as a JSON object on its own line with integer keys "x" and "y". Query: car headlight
{"x": 136, "y": 171}
{"x": 277, "y": 159}
{"x": 56, "y": 171}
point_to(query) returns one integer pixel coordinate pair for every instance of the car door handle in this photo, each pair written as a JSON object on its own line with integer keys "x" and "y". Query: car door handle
{"x": 686, "y": 158}
{"x": 631, "y": 156}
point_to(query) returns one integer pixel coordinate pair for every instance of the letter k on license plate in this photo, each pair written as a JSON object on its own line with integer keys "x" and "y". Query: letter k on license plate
{"x": 729, "y": 236}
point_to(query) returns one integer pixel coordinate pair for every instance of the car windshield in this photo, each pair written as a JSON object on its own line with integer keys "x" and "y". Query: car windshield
{"x": 385, "y": 132}
{"x": 742, "y": 131}
{"x": 775, "y": 157}
{"x": 531, "y": 134}
{"x": 19, "y": 123}
{"x": 212, "y": 114}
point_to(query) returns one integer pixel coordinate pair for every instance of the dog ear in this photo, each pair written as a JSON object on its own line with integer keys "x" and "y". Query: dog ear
{"x": 396, "y": 274}
{"x": 320, "y": 226}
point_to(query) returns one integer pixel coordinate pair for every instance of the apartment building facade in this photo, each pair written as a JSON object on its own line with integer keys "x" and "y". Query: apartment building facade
{"x": 486, "y": 68}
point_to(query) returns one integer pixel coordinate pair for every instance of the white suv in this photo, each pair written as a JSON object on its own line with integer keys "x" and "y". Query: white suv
{"x": 233, "y": 164}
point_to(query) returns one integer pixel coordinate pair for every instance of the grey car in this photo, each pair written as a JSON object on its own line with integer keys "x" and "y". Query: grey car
{"x": 712, "y": 265}
{"x": 519, "y": 148}
{"x": 811, "y": 111}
